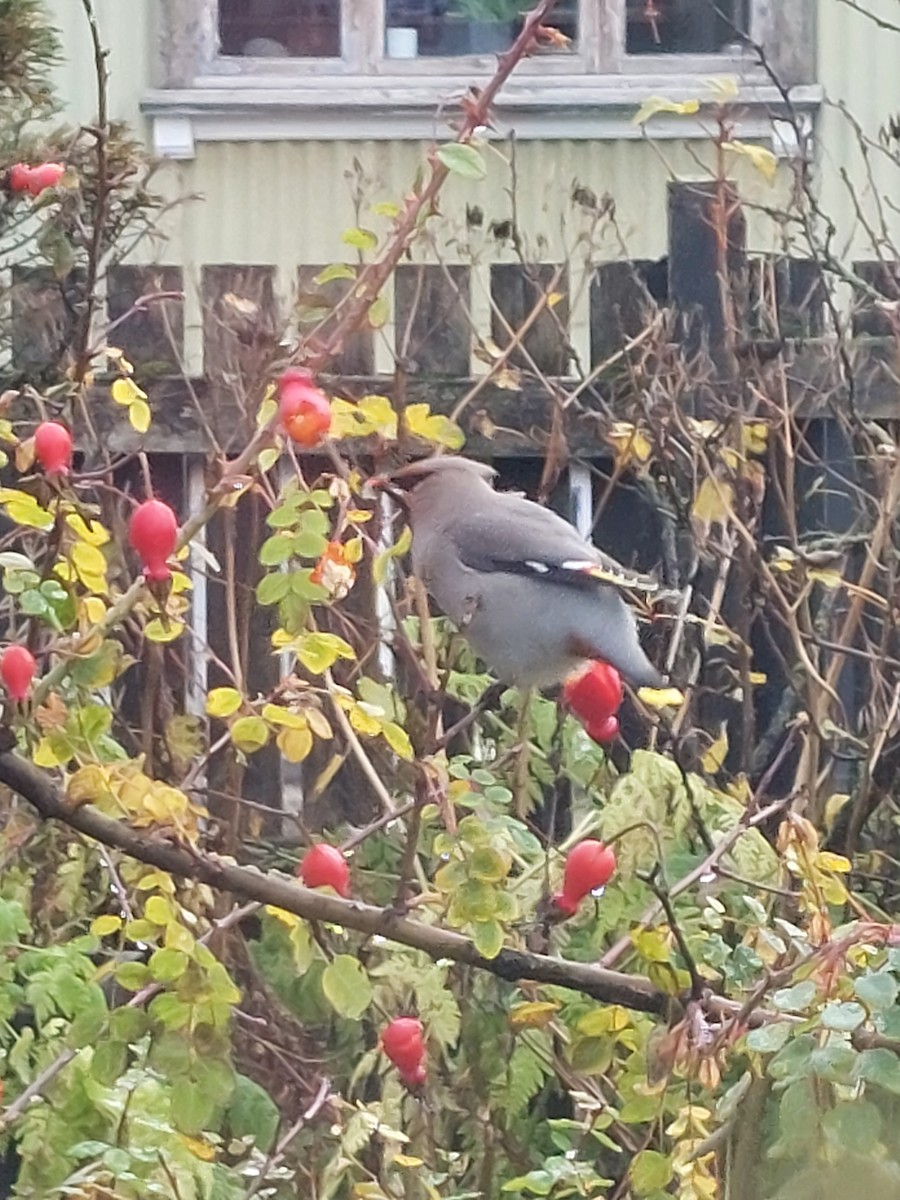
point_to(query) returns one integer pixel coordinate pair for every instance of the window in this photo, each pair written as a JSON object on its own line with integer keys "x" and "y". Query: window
{"x": 312, "y": 68}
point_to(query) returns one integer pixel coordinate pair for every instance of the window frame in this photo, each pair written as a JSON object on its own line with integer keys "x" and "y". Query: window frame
{"x": 598, "y": 80}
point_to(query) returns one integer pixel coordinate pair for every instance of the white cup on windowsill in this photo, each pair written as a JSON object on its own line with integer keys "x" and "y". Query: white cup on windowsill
{"x": 402, "y": 41}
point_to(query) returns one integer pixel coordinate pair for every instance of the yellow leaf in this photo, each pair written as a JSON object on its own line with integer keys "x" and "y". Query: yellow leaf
{"x": 94, "y": 534}
{"x": 291, "y": 920}
{"x": 158, "y": 911}
{"x": 318, "y": 723}
{"x": 828, "y": 578}
{"x": 758, "y": 677}
{"x": 380, "y": 414}
{"x": 407, "y": 1160}
{"x": 432, "y": 427}
{"x": 632, "y": 447}
{"x": 714, "y": 757}
{"x": 660, "y": 698}
{"x": 163, "y": 631}
{"x": 533, "y": 1014}
{"x": 713, "y": 503}
{"x": 200, "y": 1149}
{"x": 398, "y": 740}
{"x": 825, "y": 860}
{"x": 758, "y": 156}
{"x": 276, "y": 715}
{"x": 755, "y": 437}
{"x": 364, "y": 722}
{"x": 104, "y": 926}
{"x": 294, "y": 744}
{"x": 268, "y": 458}
{"x": 554, "y": 298}
{"x": 223, "y": 702}
{"x": 29, "y": 512}
{"x": 384, "y": 557}
{"x": 139, "y": 416}
{"x": 126, "y": 392}
{"x": 654, "y": 105}
{"x": 46, "y": 754}
{"x": 89, "y": 785}
{"x": 723, "y": 88}
{"x": 833, "y": 806}
{"x": 88, "y": 560}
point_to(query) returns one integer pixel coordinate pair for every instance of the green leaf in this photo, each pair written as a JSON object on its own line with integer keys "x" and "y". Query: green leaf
{"x": 128, "y": 1025}
{"x": 108, "y": 1061}
{"x": 252, "y": 1113}
{"x": 276, "y": 550}
{"x": 796, "y": 998}
{"x": 379, "y": 311}
{"x": 881, "y": 1067}
{"x": 168, "y": 965}
{"x": 465, "y": 161}
{"x": 878, "y": 990}
{"x": 843, "y": 1017}
{"x": 133, "y": 976}
{"x": 650, "y": 1171}
{"x": 488, "y": 938}
{"x": 592, "y": 1055}
{"x": 249, "y": 734}
{"x": 273, "y": 588}
{"x": 854, "y": 1126}
{"x": 488, "y": 865}
{"x": 192, "y": 1106}
{"x": 347, "y": 986}
{"x": 334, "y": 271}
{"x": 769, "y": 1038}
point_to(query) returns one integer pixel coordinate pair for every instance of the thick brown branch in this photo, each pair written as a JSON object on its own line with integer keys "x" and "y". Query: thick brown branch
{"x": 632, "y": 991}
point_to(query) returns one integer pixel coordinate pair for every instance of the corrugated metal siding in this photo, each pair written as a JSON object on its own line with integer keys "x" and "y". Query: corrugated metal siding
{"x": 290, "y": 201}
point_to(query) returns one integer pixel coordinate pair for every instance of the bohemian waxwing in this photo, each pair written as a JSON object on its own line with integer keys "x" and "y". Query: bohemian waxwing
{"x": 532, "y": 597}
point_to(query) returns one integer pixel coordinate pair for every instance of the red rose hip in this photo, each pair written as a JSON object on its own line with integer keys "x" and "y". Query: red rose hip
{"x": 589, "y": 865}
{"x": 53, "y": 447}
{"x": 403, "y": 1042}
{"x": 305, "y": 409}
{"x": 324, "y": 866}
{"x": 153, "y": 532}
{"x": 45, "y": 176}
{"x": 594, "y": 692}
{"x": 17, "y": 667}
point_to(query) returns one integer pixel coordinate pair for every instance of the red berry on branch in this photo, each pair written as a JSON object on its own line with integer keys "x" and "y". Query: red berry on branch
{"x": 17, "y": 667}
{"x": 324, "y": 866}
{"x": 17, "y": 177}
{"x": 593, "y": 693}
{"x": 45, "y": 176}
{"x": 53, "y": 447}
{"x": 403, "y": 1042}
{"x": 605, "y": 731}
{"x": 305, "y": 409}
{"x": 153, "y": 532}
{"x": 589, "y": 865}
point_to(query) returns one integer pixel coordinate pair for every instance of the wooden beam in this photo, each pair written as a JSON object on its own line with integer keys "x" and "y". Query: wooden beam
{"x": 499, "y": 422}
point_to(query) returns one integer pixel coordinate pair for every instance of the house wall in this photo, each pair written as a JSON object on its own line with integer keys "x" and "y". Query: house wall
{"x": 288, "y": 202}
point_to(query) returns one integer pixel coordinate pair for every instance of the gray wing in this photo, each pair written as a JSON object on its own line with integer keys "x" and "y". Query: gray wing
{"x": 519, "y": 537}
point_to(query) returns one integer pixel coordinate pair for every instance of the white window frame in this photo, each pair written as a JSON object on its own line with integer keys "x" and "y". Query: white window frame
{"x": 590, "y": 92}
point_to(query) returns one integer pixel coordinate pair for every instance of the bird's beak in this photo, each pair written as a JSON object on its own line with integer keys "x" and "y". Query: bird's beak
{"x": 384, "y": 483}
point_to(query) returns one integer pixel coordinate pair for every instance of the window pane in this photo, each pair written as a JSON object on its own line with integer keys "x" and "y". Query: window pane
{"x": 281, "y": 28}
{"x": 684, "y": 26}
{"x": 423, "y": 28}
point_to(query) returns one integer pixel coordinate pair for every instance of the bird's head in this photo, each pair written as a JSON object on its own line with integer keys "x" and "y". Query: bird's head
{"x": 426, "y": 474}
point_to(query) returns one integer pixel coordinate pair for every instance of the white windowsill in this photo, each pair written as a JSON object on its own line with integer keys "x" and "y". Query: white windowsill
{"x": 403, "y": 107}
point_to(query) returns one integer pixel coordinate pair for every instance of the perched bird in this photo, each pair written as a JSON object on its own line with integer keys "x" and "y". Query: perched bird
{"x": 533, "y": 598}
